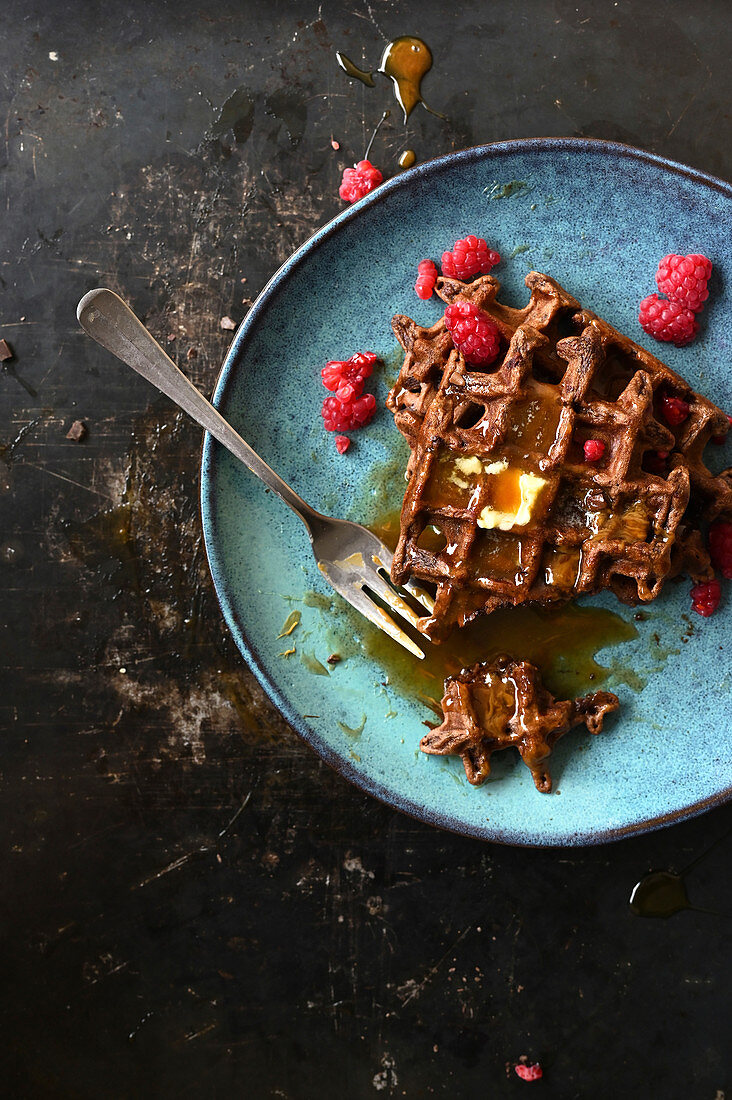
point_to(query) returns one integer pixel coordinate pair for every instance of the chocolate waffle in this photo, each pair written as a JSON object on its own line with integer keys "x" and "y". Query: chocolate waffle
{"x": 503, "y": 704}
{"x": 501, "y": 507}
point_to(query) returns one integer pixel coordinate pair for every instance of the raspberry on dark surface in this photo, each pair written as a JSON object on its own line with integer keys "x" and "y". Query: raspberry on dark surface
{"x": 669, "y": 321}
{"x": 684, "y": 279}
{"x": 469, "y": 256}
{"x": 359, "y": 180}
{"x": 426, "y": 279}
{"x": 473, "y": 333}
{"x": 720, "y": 547}
{"x": 705, "y": 597}
{"x": 342, "y": 443}
{"x": 674, "y": 410}
{"x": 529, "y": 1073}
{"x": 345, "y": 416}
{"x": 594, "y": 450}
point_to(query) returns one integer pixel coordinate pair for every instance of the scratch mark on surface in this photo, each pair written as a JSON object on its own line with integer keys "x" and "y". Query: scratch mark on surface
{"x": 226, "y": 828}
{"x": 70, "y": 480}
{"x": 416, "y": 988}
{"x": 198, "y": 1034}
{"x": 204, "y": 849}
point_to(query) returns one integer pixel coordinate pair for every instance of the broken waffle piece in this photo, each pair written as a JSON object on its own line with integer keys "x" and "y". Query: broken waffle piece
{"x": 503, "y": 704}
{"x": 502, "y": 505}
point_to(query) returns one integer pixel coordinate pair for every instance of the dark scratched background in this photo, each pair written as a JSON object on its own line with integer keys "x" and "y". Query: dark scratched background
{"x": 192, "y": 904}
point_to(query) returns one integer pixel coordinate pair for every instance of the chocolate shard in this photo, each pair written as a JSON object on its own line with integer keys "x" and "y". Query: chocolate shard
{"x": 77, "y": 431}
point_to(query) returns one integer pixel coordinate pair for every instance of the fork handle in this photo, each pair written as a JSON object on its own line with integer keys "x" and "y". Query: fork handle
{"x": 108, "y": 320}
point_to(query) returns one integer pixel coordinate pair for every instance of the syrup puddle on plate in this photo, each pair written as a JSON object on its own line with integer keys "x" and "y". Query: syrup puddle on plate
{"x": 563, "y": 642}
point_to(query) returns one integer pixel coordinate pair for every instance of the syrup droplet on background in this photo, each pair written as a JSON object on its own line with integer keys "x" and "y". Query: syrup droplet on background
{"x": 405, "y": 61}
{"x": 353, "y": 71}
{"x": 407, "y": 159}
{"x": 659, "y": 894}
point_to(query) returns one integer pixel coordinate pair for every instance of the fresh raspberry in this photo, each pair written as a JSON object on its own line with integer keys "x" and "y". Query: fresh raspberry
{"x": 347, "y": 377}
{"x": 529, "y": 1073}
{"x": 594, "y": 450}
{"x": 684, "y": 279}
{"x": 655, "y": 462}
{"x": 426, "y": 279}
{"x": 473, "y": 333}
{"x": 359, "y": 180}
{"x": 344, "y": 416}
{"x": 674, "y": 410}
{"x": 705, "y": 597}
{"x": 668, "y": 321}
{"x": 469, "y": 257}
{"x": 721, "y": 439}
{"x": 720, "y": 547}
{"x": 342, "y": 443}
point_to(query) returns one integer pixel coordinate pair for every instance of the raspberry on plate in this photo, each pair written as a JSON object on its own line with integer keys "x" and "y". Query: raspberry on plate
{"x": 347, "y": 377}
{"x": 470, "y": 256}
{"x": 674, "y": 410}
{"x": 655, "y": 462}
{"x": 344, "y": 416}
{"x": 669, "y": 321}
{"x": 426, "y": 279}
{"x": 473, "y": 333}
{"x": 594, "y": 450}
{"x": 359, "y": 180}
{"x": 720, "y": 547}
{"x": 342, "y": 443}
{"x": 684, "y": 279}
{"x": 705, "y": 597}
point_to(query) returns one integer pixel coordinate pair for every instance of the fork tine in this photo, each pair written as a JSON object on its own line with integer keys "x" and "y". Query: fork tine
{"x": 355, "y": 595}
{"x": 384, "y": 591}
{"x": 384, "y": 559}
{"x": 379, "y": 617}
{"x": 420, "y": 595}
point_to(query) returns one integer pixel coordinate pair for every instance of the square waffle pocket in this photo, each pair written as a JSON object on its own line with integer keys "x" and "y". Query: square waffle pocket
{"x": 501, "y": 506}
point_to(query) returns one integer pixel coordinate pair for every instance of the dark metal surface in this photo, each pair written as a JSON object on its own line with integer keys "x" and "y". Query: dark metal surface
{"x": 193, "y": 904}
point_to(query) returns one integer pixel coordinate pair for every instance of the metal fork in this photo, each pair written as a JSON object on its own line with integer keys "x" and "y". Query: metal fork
{"x": 351, "y": 558}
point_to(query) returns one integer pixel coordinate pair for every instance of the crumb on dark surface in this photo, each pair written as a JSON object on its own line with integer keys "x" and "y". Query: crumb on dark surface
{"x": 6, "y": 352}
{"x": 77, "y": 431}
{"x": 227, "y": 324}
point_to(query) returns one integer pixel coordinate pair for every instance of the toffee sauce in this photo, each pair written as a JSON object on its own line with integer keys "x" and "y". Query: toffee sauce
{"x": 405, "y": 60}
{"x": 562, "y": 642}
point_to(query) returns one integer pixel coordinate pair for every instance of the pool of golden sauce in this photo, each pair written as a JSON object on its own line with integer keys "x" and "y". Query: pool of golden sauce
{"x": 504, "y": 490}
{"x": 451, "y": 486}
{"x": 562, "y": 642}
{"x": 533, "y": 421}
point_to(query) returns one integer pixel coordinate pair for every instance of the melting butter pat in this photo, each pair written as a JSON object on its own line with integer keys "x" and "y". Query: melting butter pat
{"x": 468, "y": 466}
{"x": 529, "y": 487}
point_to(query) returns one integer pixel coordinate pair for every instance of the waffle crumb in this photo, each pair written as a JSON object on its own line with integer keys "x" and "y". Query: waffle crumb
{"x": 503, "y": 704}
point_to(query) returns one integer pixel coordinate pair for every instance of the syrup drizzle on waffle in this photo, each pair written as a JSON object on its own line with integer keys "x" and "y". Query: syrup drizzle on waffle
{"x": 501, "y": 508}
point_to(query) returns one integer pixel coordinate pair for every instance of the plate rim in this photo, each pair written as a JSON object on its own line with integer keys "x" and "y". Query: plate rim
{"x": 209, "y": 450}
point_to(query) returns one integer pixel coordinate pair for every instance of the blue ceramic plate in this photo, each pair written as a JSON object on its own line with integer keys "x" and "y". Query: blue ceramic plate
{"x": 597, "y": 217}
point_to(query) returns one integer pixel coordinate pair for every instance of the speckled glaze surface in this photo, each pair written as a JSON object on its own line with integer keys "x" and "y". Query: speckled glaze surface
{"x": 596, "y": 216}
